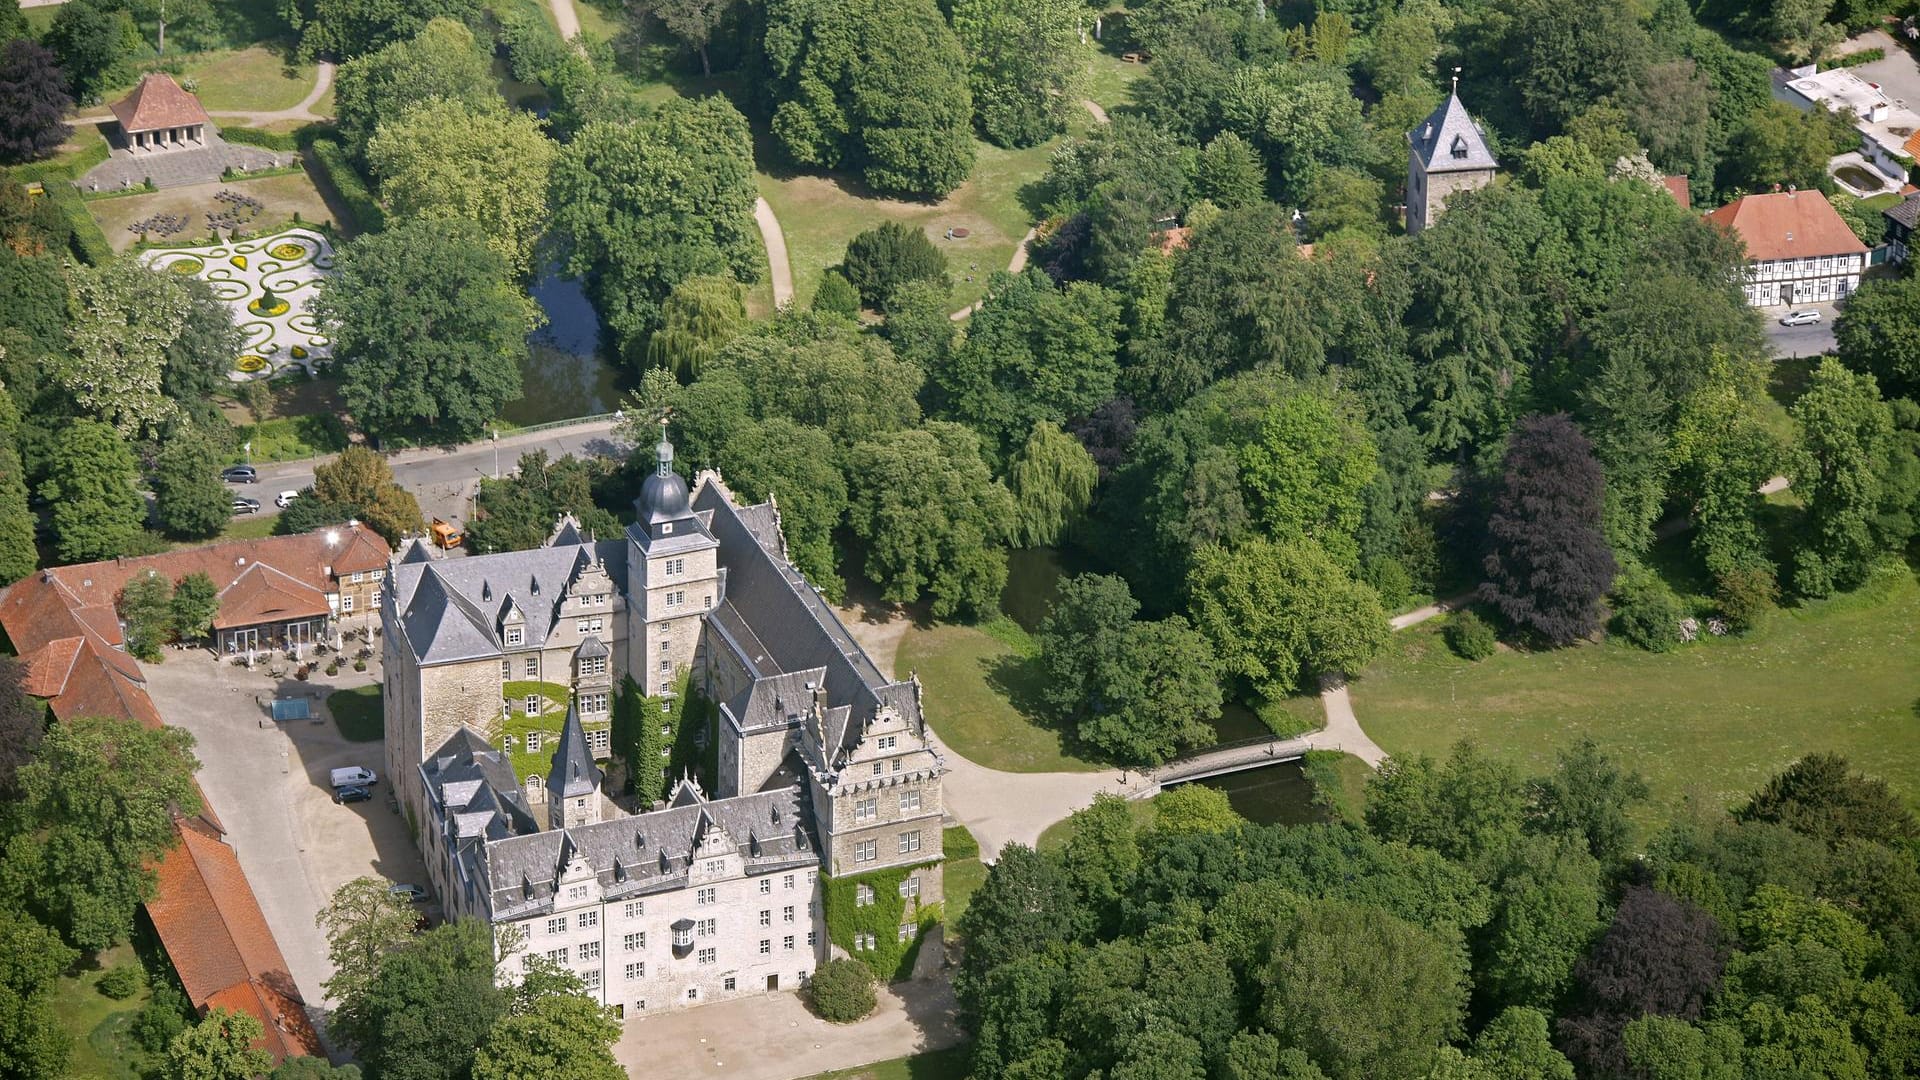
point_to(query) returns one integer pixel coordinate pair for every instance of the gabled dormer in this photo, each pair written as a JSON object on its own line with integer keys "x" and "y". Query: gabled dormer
{"x": 512, "y": 625}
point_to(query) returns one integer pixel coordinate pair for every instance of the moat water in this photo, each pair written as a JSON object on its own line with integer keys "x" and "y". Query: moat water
{"x": 568, "y": 371}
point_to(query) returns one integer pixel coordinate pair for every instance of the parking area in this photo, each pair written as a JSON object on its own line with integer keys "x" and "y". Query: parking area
{"x": 1792, "y": 342}
{"x": 269, "y": 784}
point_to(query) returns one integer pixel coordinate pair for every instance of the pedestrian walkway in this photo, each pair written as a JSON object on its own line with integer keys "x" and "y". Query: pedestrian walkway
{"x": 779, "y": 268}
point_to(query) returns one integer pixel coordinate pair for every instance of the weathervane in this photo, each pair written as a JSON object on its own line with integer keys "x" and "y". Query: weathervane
{"x": 1456, "y": 82}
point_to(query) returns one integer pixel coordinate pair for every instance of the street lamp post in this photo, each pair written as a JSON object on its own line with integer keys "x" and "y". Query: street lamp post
{"x": 494, "y": 435}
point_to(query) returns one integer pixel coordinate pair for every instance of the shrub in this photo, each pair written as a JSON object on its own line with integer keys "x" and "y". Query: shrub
{"x": 1745, "y": 595}
{"x": 1646, "y": 611}
{"x": 121, "y": 981}
{"x": 164, "y": 1017}
{"x": 881, "y": 260}
{"x": 837, "y": 295}
{"x": 285, "y": 142}
{"x": 348, "y": 184}
{"x": 1470, "y": 636}
{"x": 359, "y": 665}
{"x": 1864, "y": 56}
{"x": 842, "y": 991}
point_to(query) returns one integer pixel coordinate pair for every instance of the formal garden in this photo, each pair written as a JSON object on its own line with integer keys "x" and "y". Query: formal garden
{"x": 269, "y": 283}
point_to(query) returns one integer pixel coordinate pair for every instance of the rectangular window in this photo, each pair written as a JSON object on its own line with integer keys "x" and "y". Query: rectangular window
{"x": 810, "y": 939}
{"x": 906, "y": 932}
{"x": 665, "y": 688}
{"x": 598, "y": 743}
{"x": 727, "y": 983}
{"x": 591, "y": 979}
{"x": 637, "y": 970}
{"x": 878, "y": 766}
{"x": 588, "y": 626}
{"x": 533, "y": 704}
{"x": 703, "y": 897}
{"x": 786, "y": 913}
{"x": 910, "y": 800}
{"x": 704, "y": 928}
{"x": 862, "y": 895}
{"x": 534, "y": 739}
{"x": 676, "y": 566}
{"x": 533, "y": 667}
{"x": 514, "y": 636}
{"x": 676, "y": 598}
{"x": 588, "y": 950}
{"x": 787, "y": 882}
{"x": 356, "y": 577}
{"x": 634, "y": 942}
{"x": 866, "y": 809}
{"x": 766, "y": 946}
{"x": 864, "y": 851}
{"x": 766, "y": 885}
{"x": 909, "y": 842}
{"x": 346, "y": 602}
{"x": 506, "y": 669}
{"x": 766, "y": 916}
{"x": 888, "y": 742}
{"x": 375, "y": 598}
{"x": 593, "y": 703}
{"x": 558, "y": 956}
{"x": 787, "y": 943}
{"x": 910, "y": 886}
{"x": 557, "y": 926}
{"x": 593, "y": 665}
{"x": 707, "y": 956}
{"x": 576, "y": 892}
{"x": 666, "y": 667}
{"x": 589, "y": 918}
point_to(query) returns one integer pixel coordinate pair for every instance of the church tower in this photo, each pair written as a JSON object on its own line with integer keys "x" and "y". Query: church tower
{"x": 1446, "y": 154}
{"x": 673, "y": 578}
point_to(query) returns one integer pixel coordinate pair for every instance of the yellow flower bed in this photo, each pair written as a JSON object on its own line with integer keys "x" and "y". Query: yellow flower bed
{"x": 186, "y": 266}
{"x": 279, "y": 307}
{"x": 239, "y": 261}
{"x": 251, "y": 363}
{"x": 286, "y": 251}
{"x": 299, "y": 353}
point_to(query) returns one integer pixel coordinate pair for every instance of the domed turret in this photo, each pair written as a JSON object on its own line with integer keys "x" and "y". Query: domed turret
{"x": 664, "y": 495}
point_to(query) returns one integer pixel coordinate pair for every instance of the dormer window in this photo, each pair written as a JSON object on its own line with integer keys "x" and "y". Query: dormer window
{"x": 1459, "y": 148}
{"x": 515, "y": 637}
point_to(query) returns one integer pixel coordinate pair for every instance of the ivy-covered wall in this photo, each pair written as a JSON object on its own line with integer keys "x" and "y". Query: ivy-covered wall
{"x": 641, "y": 732}
{"x": 554, "y": 698}
{"x": 891, "y": 959}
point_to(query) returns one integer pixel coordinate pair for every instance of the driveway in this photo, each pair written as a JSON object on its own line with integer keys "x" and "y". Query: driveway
{"x": 1793, "y": 342}
{"x": 1898, "y": 74}
{"x": 774, "y": 1037}
{"x": 268, "y": 784}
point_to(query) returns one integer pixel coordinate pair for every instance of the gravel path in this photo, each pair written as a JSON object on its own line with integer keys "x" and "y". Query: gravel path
{"x": 568, "y": 20}
{"x": 777, "y": 263}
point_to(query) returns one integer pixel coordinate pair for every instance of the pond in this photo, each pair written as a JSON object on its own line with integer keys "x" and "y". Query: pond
{"x": 1860, "y": 179}
{"x": 567, "y": 372}
{"x": 1270, "y": 795}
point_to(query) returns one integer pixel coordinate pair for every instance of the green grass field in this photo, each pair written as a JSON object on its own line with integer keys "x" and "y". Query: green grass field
{"x": 357, "y": 713}
{"x": 102, "y": 1048}
{"x": 973, "y": 680}
{"x": 1708, "y": 722}
{"x": 949, "y": 1064}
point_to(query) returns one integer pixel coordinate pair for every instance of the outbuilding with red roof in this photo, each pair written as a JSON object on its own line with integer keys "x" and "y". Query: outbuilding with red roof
{"x": 1799, "y": 249}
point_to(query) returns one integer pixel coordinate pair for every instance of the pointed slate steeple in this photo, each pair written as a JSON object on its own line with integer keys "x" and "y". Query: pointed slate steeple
{"x": 1446, "y": 154}
{"x": 573, "y": 784}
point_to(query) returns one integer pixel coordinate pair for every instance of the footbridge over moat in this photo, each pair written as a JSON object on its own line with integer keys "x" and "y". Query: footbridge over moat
{"x": 1220, "y": 760}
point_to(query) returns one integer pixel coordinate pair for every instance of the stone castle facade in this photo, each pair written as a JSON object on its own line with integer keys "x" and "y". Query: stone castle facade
{"x": 825, "y": 768}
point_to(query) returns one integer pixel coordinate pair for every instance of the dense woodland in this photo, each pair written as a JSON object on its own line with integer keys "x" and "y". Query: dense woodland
{"x": 1263, "y": 450}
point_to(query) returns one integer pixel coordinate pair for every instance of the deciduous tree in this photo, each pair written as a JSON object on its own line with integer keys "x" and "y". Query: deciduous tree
{"x": 196, "y": 600}
{"x": 640, "y": 206}
{"x": 33, "y": 102}
{"x": 1026, "y": 65}
{"x": 345, "y": 29}
{"x": 1157, "y": 694}
{"x": 797, "y": 466}
{"x": 364, "y": 923}
{"x": 700, "y": 315}
{"x": 429, "y": 1005}
{"x": 428, "y": 60}
{"x": 443, "y": 160}
{"x": 1660, "y": 957}
{"x": 1051, "y": 478}
{"x": 934, "y": 520}
{"x": 190, "y": 501}
{"x": 1307, "y": 470}
{"x": 427, "y": 329}
{"x": 1548, "y": 564}
{"x": 219, "y": 1047}
{"x": 127, "y": 316}
{"x": 1879, "y": 333}
{"x": 361, "y": 478}
{"x": 17, "y": 521}
{"x": 34, "y": 1044}
{"x": 1279, "y": 610}
{"x": 96, "y": 512}
{"x": 146, "y": 610}
{"x": 1846, "y": 448}
{"x": 96, "y": 806}
{"x": 692, "y": 21}
{"x": 93, "y": 42}
{"x": 563, "y": 1034}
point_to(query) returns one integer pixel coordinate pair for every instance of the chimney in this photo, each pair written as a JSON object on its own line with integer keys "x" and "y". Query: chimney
{"x": 1791, "y": 190}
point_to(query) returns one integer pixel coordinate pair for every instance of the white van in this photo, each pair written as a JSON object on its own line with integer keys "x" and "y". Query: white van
{"x": 354, "y": 776}
{"x": 283, "y": 499}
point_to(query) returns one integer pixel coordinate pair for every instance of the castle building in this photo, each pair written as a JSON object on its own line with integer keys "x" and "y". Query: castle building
{"x": 825, "y": 772}
{"x": 1447, "y": 154}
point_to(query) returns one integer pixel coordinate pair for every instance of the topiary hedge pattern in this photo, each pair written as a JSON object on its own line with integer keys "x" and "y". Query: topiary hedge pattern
{"x": 890, "y": 958}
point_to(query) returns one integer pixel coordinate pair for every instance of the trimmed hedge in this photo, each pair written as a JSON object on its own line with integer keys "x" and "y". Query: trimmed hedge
{"x": 89, "y": 243}
{"x": 283, "y": 141}
{"x": 356, "y": 197}
{"x": 1864, "y": 56}
{"x": 890, "y": 959}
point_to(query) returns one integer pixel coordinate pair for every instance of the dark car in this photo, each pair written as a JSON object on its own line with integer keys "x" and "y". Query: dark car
{"x": 239, "y": 474}
{"x": 351, "y": 794}
{"x": 246, "y": 506}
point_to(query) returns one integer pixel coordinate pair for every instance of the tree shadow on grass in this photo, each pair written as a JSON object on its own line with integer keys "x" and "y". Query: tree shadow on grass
{"x": 1019, "y": 679}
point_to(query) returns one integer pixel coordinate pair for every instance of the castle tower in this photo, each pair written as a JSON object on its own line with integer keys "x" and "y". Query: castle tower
{"x": 673, "y": 578}
{"x": 573, "y": 784}
{"x": 1446, "y": 154}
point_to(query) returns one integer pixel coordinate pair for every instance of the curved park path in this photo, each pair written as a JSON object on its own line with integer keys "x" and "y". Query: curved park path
{"x": 322, "y": 82}
{"x": 778, "y": 265}
{"x": 566, "y": 18}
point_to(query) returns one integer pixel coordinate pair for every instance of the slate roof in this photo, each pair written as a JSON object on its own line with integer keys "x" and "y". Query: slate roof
{"x": 440, "y": 602}
{"x": 1907, "y": 211}
{"x": 1788, "y": 225}
{"x": 1446, "y": 130}
{"x": 643, "y": 854}
{"x": 573, "y": 772}
{"x": 796, "y": 630}
{"x": 476, "y": 786}
{"x": 158, "y": 102}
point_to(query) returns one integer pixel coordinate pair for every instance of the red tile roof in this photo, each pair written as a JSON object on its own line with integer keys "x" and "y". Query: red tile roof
{"x": 1677, "y": 187}
{"x": 158, "y": 102}
{"x": 212, "y": 927}
{"x": 1788, "y": 225}
{"x": 262, "y": 594}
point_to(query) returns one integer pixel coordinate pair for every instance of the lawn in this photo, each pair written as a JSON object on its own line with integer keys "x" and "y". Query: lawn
{"x": 282, "y": 197}
{"x": 358, "y": 714}
{"x": 948, "y": 1064}
{"x": 972, "y": 681}
{"x": 1110, "y": 80}
{"x": 1708, "y": 722}
{"x": 98, "y": 1024}
{"x": 1340, "y": 780}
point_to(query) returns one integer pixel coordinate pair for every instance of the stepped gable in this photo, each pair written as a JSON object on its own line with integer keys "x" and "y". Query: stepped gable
{"x": 427, "y": 593}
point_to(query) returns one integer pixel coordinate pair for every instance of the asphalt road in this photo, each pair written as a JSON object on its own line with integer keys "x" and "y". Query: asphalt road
{"x": 1797, "y": 341}
{"x": 444, "y": 479}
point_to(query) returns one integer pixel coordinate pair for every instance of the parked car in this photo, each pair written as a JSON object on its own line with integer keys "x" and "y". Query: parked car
{"x": 239, "y": 474}
{"x": 243, "y": 505}
{"x": 1800, "y": 318}
{"x": 412, "y": 894}
{"x": 351, "y": 794}
{"x": 354, "y": 776}
{"x": 285, "y": 499}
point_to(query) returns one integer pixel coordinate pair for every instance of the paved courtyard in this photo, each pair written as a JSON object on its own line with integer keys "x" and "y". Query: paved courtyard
{"x": 774, "y": 1037}
{"x": 179, "y": 168}
{"x": 268, "y": 784}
